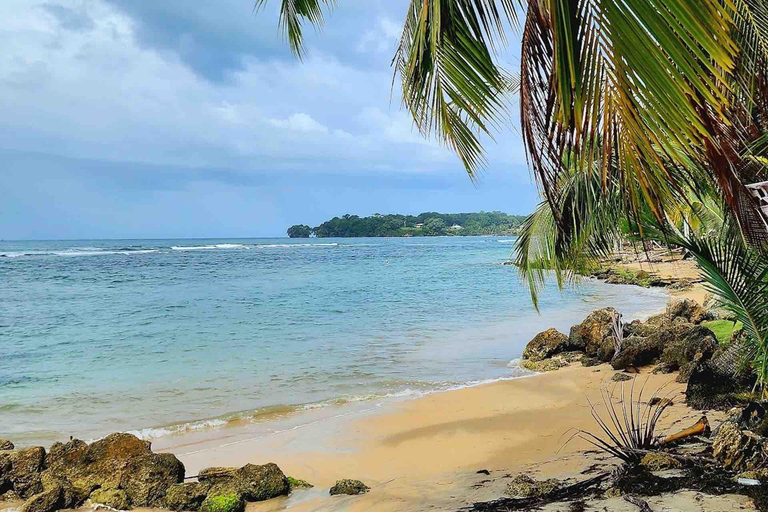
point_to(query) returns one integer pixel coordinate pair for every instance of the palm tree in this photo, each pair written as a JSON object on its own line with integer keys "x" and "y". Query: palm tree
{"x": 647, "y": 83}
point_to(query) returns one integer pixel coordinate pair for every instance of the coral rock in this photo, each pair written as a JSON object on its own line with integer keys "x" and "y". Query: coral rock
{"x": 349, "y": 487}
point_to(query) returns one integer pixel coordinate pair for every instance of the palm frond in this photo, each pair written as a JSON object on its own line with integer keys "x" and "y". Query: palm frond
{"x": 738, "y": 275}
{"x": 293, "y": 14}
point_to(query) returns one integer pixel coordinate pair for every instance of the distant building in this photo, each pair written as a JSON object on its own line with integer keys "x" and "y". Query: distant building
{"x": 420, "y": 225}
{"x": 456, "y": 227}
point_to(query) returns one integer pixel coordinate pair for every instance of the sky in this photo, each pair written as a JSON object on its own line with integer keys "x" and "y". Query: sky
{"x": 149, "y": 119}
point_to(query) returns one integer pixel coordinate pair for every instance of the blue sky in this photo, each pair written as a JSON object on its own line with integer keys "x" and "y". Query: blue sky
{"x": 137, "y": 118}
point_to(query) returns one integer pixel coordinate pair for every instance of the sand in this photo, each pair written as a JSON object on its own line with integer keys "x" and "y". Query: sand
{"x": 424, "y": 454}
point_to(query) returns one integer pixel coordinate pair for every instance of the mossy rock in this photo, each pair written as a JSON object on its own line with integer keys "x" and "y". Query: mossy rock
{"x": 113, "y": 498}
{"x": 351, "y": 487}
{"x": 523, "y": 486}
{"x": 223, "y": 503}
{"x": 621, "y": 377}
{"x": 590, "y": 361}
{"x": 297, "y": 483}
{"x": 186, "y": 496}
{"x": 546, "y": 344}
{"x": 659, "y": 461}
{"x": 546, "y": 365}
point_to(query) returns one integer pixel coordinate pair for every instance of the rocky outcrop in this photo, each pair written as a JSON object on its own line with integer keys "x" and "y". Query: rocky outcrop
{"x": 590, "y": 334}
{"x": 523, "y": 486}
{"x": 637, "y": 351}
{"x": 740, "y": 450}
{"x": 20, "y": 471}
{"x": 119, "y": 471}
{"x": 251, "y": 482}
{"x": 112, "y": 498}
{"x": 546, "y": 344}
{"x": 188, "y": 496}
{"x": 6, "y": 445}
{"x": 351, "y": 487}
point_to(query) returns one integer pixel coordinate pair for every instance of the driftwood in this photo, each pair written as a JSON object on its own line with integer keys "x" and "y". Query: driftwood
{"x": 701, "y": 427}
{"x": 642, "y": 504}
{"x": 569, "y": 492}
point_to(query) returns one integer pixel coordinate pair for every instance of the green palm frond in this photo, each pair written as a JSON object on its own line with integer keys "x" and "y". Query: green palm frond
{"x": 738, "y": 275}
{"x": 293, "y": 14}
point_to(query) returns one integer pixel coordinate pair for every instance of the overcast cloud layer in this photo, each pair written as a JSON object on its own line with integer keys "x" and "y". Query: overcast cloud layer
{"x": 135, "y": 118}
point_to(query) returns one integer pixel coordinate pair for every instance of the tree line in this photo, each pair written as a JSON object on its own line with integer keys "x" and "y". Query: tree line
{"x": 424, "y": 224}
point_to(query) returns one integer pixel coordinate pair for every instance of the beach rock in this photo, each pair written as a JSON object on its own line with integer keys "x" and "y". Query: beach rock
{"x": 696, "y": 344}
{"x": 590, "y": 334}
{"x": 21, "y": 470}
{"x": 607, "y": 350}
{"x": 523, "y": 486}
{"x": 297, "y": 483}
{"x": 251, "y": 482}
{"x": 351, "y": 487}
{"x": 146, "y": 478}
{"x": 6, "y": 445}
{"x": 546, "y": 344}
{"x": 690, "y": 310}
{"x": 590, "y": 361}
{"x": 188, "y": 496}
{"x": 739, "y": 450}
{"x": 636, "y": 351}
{"x": 660, "y": 461}
{"x": 723, "y": 381}
{"x": 114, "y": 498}
{"x": 100, "y": 464}
{"x": 546, "y": 365}
{"x": 665, "y": 367}
{"x": 45, "y": 501}
{"x": 223, "y": 503}
{"x": 621, "y": 377}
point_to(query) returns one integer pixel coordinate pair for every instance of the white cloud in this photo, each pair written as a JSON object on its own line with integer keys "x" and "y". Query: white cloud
{"x": 299, "y": 122}
{"x": 382, "y": 38}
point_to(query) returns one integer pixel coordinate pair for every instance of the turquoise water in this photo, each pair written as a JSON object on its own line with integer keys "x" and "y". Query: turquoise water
{"x": 163, "y": 336}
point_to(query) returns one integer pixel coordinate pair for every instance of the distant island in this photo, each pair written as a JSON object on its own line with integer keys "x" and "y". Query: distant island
{"x": 424, "y": 224}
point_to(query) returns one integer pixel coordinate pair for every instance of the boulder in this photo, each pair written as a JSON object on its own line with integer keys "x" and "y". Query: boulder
{"x": 146, "y": 478}
{"x": 6, "y": 445}
{"x": 607, "y": 350}
{"x": 351, "y": 487}
{"x": 546, "y": 344}
{"x": 665, "y": 367}
{"x": 20, "y": 471}
{"x": 546, "y": 365}
{"x": 590, "y": 361}
{"x": 690, "y": 310}
{"x": 223, "y": 503}
{"x": 660, "y": 461}
{"x": 251, "y": 482}
{"x": 739, "y": 450}
{"x": 188, "y": 496}
{"x": 45, "y": 501}
{"x": 637, "y": 351}
{"x": 523, "y": 486}
{"x": 113, "y": 498}
{"x": 621, "y": 377}
{"x": 696, "y": 344}
{"x": 723, "y": 381}
{"x": 56, "y": 494}
{"x": 590, "y": 334}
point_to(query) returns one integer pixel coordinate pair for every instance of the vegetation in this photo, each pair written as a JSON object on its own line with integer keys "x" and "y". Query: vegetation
{"x": 299, "y": 231}
{"x": 424, "y": 224}
{"x": 723, "y": 329}
{"x": 641, "y": 118}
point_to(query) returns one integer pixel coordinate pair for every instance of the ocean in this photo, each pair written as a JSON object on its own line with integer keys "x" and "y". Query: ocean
{"x": 161, "y": 337}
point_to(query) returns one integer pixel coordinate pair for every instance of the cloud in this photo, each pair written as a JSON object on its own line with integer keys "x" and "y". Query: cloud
{"x": 299, "y": 122}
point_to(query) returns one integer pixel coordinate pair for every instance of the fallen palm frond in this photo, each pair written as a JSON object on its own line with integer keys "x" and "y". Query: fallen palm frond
{"x": 629, "y": 425}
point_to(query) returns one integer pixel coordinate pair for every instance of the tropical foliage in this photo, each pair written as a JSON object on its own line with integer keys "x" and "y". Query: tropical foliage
{"x": 424, "y": 224}
{"x": 641, "y": 118}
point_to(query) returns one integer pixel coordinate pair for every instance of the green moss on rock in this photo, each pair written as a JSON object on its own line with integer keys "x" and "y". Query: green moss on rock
{"x": 113, "y": 498}
{"x": 350, "y": 487}
{"x": 223, "y": 503}
{"x": 659, "y": 461}
{"x": 297, "y": 483}
{"x": 546, "y": 365}
{"x": 523, "y": 486}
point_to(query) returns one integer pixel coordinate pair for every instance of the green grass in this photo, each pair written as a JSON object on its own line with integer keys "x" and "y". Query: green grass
{"x": 723, "y": 329}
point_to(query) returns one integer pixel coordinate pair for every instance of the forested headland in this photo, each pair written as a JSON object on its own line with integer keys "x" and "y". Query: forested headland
{"x": 424, "y": 224}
